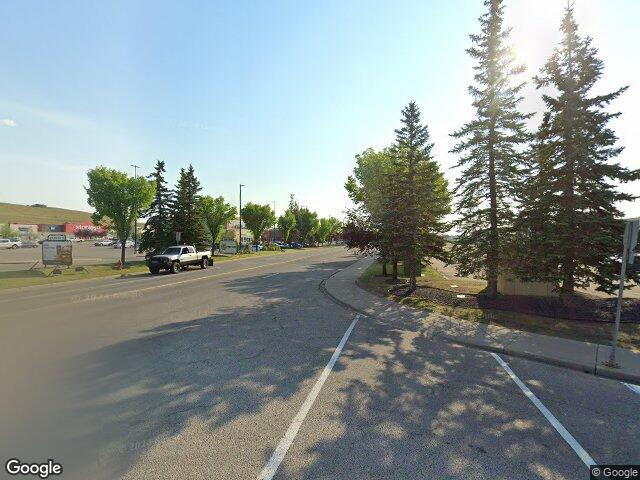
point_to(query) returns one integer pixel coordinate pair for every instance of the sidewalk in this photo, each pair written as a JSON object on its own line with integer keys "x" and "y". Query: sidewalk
{"x": 586, "y": 357}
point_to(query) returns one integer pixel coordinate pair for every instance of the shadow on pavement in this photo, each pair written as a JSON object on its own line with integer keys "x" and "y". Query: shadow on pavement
{"x": 215, "y": 372}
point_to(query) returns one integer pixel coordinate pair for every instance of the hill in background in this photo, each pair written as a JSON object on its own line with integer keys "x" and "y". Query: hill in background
{"x": 13, "y": 213}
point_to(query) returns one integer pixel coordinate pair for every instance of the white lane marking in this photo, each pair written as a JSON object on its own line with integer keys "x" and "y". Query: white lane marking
{"x": 271, "y": 467}
{"x": 573, "y": 443}
{"x": 633, "y": 388}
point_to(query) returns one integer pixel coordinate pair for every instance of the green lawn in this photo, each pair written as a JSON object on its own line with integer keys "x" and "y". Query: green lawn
{"x": 43, "y": 276}
{"x": 595, "y": 332}
{"x": 13, "y": 213}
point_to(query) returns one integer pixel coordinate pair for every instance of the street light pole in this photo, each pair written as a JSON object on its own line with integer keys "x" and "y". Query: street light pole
{"x": 240, "y": 216}
{"x": 135, "y": 222}
{"x": 273, "y": 234}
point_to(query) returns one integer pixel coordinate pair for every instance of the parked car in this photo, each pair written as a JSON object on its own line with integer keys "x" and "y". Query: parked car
{"x": 29, "y": 244}
{"x": 128, "y": 244}
{"x": 104, "y": 243}
{"x": 297, "y": 245}
{"x": 178, "y": 257}
{"x": 7, "y": 243}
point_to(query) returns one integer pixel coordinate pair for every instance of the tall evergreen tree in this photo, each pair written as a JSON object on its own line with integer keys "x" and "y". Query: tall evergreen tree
{"x": 584, "y": 232}
{"x": 157, "y": 229}
{"x": 186, "y": 215}
{"x": 489, "y": 146}
{"x": 419, "y": 196}
{"x": 532, "y": 230}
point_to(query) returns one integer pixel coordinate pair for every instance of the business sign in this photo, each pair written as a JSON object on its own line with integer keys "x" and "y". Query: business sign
{"x": 228, "y": 247}
{"x": 57, "y": 250}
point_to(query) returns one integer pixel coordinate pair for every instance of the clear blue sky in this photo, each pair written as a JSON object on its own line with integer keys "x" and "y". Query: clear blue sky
{"x": 277, "y": 95}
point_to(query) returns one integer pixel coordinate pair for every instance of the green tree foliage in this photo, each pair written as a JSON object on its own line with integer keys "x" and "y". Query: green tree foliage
{"x": 186, "y": 215}
{"x": 7, "y": 232}
{"x": 307, "y": 224}
{"x": 157, "y": 233}
{"x": 118, "y": 197}
{"x": 421, "y": 196}
{"x": 257, "y": 218}
{"x": 570, "y": 204}
{"x": 489, "y": 146}
{"x": 216, "y": 213}
{"x": 365, "y": 222}
{"x": 287, "y": 224}
{"x": 323, "y": 230}
{"x": 335, "y": 228}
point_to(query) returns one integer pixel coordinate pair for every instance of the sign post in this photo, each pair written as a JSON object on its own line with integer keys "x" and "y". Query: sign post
{"x": 178, "y": 236}
{"x": 629, "y": 242}
{"x": 57, "y": 250}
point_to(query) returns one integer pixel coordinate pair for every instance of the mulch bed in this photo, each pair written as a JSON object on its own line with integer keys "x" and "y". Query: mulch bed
{"x": 578, "y": 307}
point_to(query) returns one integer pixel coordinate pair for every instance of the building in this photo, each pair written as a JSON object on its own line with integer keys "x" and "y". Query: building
{"x": 73, "y": 228}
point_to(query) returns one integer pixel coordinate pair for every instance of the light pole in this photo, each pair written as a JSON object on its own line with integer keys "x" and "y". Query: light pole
{"x": 240, "y": 216}
{"x": 273, "y": 235}
{"x": 135, "y": 222}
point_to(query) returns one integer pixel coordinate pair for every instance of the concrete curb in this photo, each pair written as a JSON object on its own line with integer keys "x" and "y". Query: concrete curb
{"x": 594, "y": 368}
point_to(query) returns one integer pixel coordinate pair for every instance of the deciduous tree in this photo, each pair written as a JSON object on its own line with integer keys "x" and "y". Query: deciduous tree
{"x": 216, "y": 213}
{"x": 257, "y": 218}
{"x": 120, "y": 198}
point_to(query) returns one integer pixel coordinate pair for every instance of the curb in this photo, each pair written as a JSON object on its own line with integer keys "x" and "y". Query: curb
{"x": 593, "y": 370}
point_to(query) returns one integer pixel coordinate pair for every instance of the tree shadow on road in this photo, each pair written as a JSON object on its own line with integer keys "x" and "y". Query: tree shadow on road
{"x": 422, "y": 409}
{"x": 215, "y": 372}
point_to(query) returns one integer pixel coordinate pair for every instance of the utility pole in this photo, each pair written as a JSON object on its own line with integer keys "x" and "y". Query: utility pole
{"x": 240, "y": 216}
{"x": 135, "y": 222}
{"x": 629, "y": 242}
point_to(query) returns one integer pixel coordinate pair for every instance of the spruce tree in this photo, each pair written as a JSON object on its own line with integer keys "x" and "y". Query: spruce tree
{"x": 186, "y": 216}
{"x": 419, "y": 196}
{"x": 583, "y": 234}
{"x": 532, "y": 230}
{"x": 490, "y": 147}
{"x": 157, "y": 229}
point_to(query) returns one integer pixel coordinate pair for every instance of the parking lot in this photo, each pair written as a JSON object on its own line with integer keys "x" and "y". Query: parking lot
{"x": 84, "y": 253}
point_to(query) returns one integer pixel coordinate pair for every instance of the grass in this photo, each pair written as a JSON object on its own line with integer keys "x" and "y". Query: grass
{"x": 43, "y": 276}
{"x": 595, "y": 332}
{"x": 10, "y": 212}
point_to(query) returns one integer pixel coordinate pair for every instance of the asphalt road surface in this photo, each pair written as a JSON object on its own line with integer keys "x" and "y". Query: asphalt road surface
{"x": 247, "y": 370}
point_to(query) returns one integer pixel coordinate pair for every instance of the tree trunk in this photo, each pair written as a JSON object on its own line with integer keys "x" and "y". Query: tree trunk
{"x": 494, "y": 245}
{"x": 122, "y": 252}
{"x": 384, "y": 268}
{"x": 394, "y": 271}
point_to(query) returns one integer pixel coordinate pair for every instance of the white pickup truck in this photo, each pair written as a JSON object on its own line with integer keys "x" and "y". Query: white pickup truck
{"x": 178, "y": 257}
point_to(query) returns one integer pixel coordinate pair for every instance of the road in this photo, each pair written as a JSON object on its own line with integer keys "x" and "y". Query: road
{"x": 207, "y": 373}
{"x": 84, "y": 253}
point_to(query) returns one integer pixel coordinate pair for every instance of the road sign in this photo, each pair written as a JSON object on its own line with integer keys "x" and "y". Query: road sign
{"x": 629, "y": 242}
{"x": 178, "y": 236}
{"x": 633, "y": 227}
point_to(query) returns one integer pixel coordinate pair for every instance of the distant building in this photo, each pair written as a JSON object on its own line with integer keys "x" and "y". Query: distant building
{"x": 71, "y": 228}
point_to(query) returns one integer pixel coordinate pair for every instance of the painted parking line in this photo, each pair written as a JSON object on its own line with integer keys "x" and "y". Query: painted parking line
{"x": 573, "y": 443}
{"x": 271, "y": 467}
{"x": 633, "y": 388}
